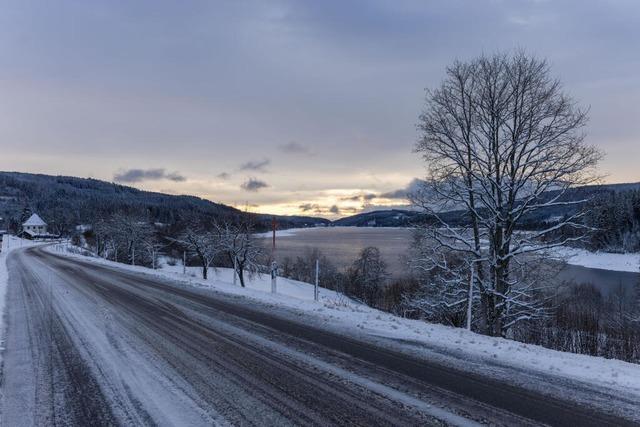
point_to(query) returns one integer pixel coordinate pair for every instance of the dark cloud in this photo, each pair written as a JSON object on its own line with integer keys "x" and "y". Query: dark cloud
{"x": 404, "y": 193}
{"x": 256, "y": 166}
{"x": 351, "y": 210}
{"x": 224, "y": 175}
{"x": 334, "y": 210}
{"x": 253, "y": 184}
{"x": 360, "y": 197}
{"x": 139, "y": 175}
{"x": 306, "y": 207}
{"x": 294, "y": 148}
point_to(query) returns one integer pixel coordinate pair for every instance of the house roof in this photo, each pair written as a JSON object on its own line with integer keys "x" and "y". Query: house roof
{"x": 34, "y": 220}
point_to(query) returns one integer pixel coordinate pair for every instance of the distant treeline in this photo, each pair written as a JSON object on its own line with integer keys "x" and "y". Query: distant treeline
{"x": 64, "y": 202}
{"x": 615, "y": 218}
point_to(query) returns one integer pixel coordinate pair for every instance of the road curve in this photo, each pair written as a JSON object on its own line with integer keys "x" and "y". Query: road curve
{"x": 88, "y": 344}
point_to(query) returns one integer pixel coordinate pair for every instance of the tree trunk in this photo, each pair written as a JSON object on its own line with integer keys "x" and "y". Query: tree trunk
{"x": 240, "y": 272}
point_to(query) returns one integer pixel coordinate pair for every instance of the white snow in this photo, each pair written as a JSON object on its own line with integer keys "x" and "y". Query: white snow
{"x": 9, "y": 243}
{"x": 629, "y": 262}
{"x": 222, "y": 278}
{"x": 336, "y": 312}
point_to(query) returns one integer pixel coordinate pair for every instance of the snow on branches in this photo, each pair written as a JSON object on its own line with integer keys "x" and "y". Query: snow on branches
{"x": 501, "y": 141}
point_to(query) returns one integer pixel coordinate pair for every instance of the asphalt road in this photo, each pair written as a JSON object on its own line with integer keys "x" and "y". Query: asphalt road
{"x": 95, "y": 345}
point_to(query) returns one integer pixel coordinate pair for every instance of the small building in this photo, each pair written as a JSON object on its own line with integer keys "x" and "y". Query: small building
{"x": 35, "y": 228}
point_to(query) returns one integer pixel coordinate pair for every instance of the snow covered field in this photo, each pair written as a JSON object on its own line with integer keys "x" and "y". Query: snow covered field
{"x": 601, "y": 260}
{"x": 489, "y": 355}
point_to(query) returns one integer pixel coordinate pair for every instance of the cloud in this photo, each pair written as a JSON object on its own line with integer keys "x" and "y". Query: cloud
{"x": 360, "y": 197}
{"x": 306, "y": 207}
{"x": 139, "y": 175}
{"x": 294, "y": 148}
{"x": 404, "y": 193}
{"x": 334, "y": 210}
{"x": 253, "y": 184}
{"x": 256, "y": 166}
{"x": 224, "y": 175}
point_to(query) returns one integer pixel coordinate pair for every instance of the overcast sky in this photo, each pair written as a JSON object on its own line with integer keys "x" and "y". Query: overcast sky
{"x": 283, "y": 106}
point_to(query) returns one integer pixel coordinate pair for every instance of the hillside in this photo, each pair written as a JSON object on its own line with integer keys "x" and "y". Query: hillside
{"x": 403, "y": 218}
{"x": 67, "y": 201}
{"x": 380, "y": 218}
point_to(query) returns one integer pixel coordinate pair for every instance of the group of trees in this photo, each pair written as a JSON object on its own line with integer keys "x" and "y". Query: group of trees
{"x": 126, "y": 238}
{"x": 614, "y": 218}
{"x": 584, "y": 320}
{"x": 135, "y": 240}
{"x": 365, "y": 279}
{"x": 232, "y": 239}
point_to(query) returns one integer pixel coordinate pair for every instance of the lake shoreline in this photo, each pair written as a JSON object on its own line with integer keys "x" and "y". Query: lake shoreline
{"x": 608, "y": 261}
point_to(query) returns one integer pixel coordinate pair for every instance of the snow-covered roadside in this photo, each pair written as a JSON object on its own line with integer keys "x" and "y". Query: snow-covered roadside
{"x": 258, "y": 287}
{"x": 9, "y": 243}
{"x": 335, "y": 312}
{"x": 629, "y": 262}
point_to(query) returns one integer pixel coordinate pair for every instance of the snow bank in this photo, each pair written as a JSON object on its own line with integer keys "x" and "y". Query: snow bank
{"x": 335, "y": 312}
{"x": 221, "y": 279}
{"x": 9, "y": 243}
{"x": 602, "y": 260}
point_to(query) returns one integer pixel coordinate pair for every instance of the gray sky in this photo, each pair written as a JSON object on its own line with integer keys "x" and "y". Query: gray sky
{"x": 283, "y": 106}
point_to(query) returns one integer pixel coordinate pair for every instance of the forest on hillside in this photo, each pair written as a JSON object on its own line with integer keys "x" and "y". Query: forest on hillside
{"x": 65, "y": 202}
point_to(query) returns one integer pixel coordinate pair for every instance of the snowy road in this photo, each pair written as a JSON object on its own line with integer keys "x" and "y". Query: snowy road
{"x": 94, "y": 345}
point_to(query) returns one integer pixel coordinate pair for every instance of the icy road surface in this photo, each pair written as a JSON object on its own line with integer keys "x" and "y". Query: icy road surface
{"x": 95, "y": 345}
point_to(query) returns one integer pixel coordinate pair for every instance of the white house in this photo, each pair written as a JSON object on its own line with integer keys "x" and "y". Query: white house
{"x": 34, "y": 227}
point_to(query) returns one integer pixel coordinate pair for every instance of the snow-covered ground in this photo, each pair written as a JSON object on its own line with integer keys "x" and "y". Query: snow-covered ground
{"x": 258, "y": 287}
{"x": 336, "y": 312}
{"x": 629, "y": 262}
{"x": 9, "y": 243}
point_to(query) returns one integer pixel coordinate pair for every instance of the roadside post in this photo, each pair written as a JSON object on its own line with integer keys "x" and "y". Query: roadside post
{"x": 274, "y": 276}
{"x": 315, "y": 288}
{"x": 470, "y": 296}
{"x": 274, "y": 264}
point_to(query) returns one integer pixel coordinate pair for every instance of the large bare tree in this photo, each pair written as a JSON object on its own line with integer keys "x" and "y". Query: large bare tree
{"x": 501, "y": 140}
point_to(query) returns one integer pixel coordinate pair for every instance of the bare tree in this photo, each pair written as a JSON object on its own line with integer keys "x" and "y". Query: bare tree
{"x": 153, "y": 245}
{"x": 501, "y": 141}
{"x": 368, "y": 275}
{"x": 204, "y": 243}
{"x": 244, "y": 251}
{"x": 131, "y": 231}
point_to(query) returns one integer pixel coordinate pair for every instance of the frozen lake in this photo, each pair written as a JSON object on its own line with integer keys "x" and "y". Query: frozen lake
{"x": 343, "y": 244}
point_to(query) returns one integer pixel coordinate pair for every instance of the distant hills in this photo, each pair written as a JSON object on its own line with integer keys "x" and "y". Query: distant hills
{"x": 66, "y": 201}
{"x": 404, "y": 218}
{"x": 380, "y": 218}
